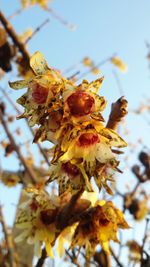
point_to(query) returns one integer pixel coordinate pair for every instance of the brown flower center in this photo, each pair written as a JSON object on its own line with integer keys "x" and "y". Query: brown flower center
{"x": 80, "y": 103}
{"x": 39, "y": 93}
{"x": 70, "y": 169}
{"x": 87, "y": 139}
{"x": 104, "y": 221}
{"x": 48, "y": 216}
{"x": 34, "y": 205}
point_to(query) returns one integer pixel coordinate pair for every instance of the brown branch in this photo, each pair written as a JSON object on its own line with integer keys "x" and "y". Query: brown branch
{"x": 64, "y": 216}
{"x": 102, "y": 258}
{"x": 144, "y": 240}
{"x": 118, "y": 112}
{"x": 116, "y": 258}
{"x": 9, "y": 246}
{"x": 16, "y": 40}
{"x": 16, "y": 148}
{"x": 42, "y": 259}
{"x": 18, "y": 112}
{"x": 72, "y": 258}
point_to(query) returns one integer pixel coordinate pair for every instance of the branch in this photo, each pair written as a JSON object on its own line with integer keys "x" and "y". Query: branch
{"x": 144, "y": 240}
{"x": 36, "y": 30}
{"x": 16, "y": 148}
{"x": 16, "y": 13}
{"x": 73, "y": 259}
{"x": 64, "y": 216}
{"x": 42, "y": 259}
{"x": 118, "y": 112}
{"x": 18, "y": 112}
{"x": 16, "y": 40}
{"x": 116, "y": 258}
{"x": 9, "y": 246}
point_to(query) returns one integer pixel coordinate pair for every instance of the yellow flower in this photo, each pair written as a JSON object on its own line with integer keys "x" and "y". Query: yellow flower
{"x": 89, "y": 146}
{"x": 81, "y": 101}
{"x": 68, "y": 176}
{"x": 9, "y": 179}
{"x": 87, "y": 62}
{"x": 99, "y": 225}
{"x": 42, "y": 3}
{"x": 42, "y": 88}
{"x": 119, "y": 64}
{"x": 37, "y": 220}
{"x": 135, "y": 251}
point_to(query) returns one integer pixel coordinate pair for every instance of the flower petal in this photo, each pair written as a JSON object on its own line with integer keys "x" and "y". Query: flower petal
{"x": 19, "y": 84}
{"x": 104, "y": 153}
{"x": 114, "y": 138}
{"x": 49, "y": 250}
{"x": 38, "y": 64}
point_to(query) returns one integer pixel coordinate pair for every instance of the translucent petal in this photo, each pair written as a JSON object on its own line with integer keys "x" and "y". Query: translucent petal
{"x": 114, "y": 138}
{"x": 60, "y": 246}
{"x": 49, "y": 250}
{"x": 19, "y": 84}
{"x": 22, "y": 236}
{"x": 119, "y": 63}
{"x": 104, "y": 153}
{"x": 38, "y": 64}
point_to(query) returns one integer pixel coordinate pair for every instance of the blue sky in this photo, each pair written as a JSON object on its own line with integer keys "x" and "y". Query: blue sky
{"x": 103, "y": 28}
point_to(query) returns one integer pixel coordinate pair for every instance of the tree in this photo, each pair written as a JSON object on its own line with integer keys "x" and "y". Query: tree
{"x": 57, "y": 201}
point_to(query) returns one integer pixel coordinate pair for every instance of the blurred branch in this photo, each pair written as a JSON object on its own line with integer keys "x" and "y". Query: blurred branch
{"x": 16, "y": 13}
{"x": 30, "y": 129}
{"x": 73, "y": 258}
{"x": 8, "y": 243}
{"x": 144, "y": 240}
{"x": 116, "y": 258}
{"x": 95, "y": 66}
{"x": 60, "y": 19}
{"x": 119, "y": 85}
{"x": 16, "y": 40}
{"x": 16, "y": 148}
{"x": 36, "y": 30}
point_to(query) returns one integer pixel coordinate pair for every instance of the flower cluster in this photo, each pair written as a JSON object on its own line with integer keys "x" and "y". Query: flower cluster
{"x": 70, "y": 116}
{"x": 88, "y": 224}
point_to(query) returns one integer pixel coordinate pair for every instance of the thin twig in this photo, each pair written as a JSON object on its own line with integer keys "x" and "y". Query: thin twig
{"x": 144, "y": 239}
{"x": 101, "y": 63}
{"x": 37, "y": 30}
{"x": 16, "y": 13}
{"x": 9, "y": 246}
{"x": 118, "y": 82}
{"x": 60, "y": 19}
{"x": 73, "y": 259}
{"x": 42, "y": 259}
{"x": 116, "y": 258}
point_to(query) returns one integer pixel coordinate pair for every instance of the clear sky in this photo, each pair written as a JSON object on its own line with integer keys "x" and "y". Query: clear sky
{"x": 103, "y": 28}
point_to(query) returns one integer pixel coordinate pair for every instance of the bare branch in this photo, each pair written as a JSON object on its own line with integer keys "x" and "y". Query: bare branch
{"x": 9, "y": 245}
{"x": 116, "y": 258}
{"x": 16, "y": 148}
{"x": 42, "y": 259}
{"x": 16, "y": 40}
{"x": 37, "y": 30}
